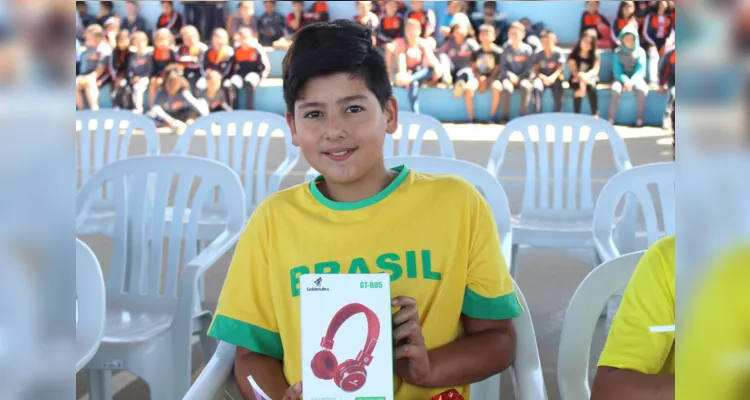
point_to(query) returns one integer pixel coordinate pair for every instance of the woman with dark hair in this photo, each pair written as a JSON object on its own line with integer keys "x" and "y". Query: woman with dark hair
{"x": 584, "y": 65}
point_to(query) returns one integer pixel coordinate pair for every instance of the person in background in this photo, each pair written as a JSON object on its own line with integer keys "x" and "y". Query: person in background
{"x": 205, "y": 16}
{"x": 317, "y": 13}
{"x": 378, "y": 8}
{"x": 417, "y": 63}
{"x": 271, "y": 27}
{"x": 214, "y": 96}
{"x": 625, "y": 17}
{"x": 490, "y": 16}
{"x": 455, "y": 14}
{"x": 245, "y": 18}
{"x": 83, "y": 11}
{"x": 117, "y": 72}
{"x": 548, "y": 62}
{"x": 175, "y": 104}
{"x": 106, "y": 11}
{"x": 667, "y": 82}
{"x": 366, "y": 17}
{"x": 455, "y": 59}
{"x": 485, "y": 62}
{"x": 426, "y": 18}
{"x": 584, "y": 64}
{"x": 656, "y": 30}
{"x": 592, "y": 18}
{"x": 190, "y": 54}
{"x": 170, "y": 19}
{"x": 629, "y": 65}
{"x": 296, "y": 20}
{"x": 390, "y": 28}
{"x": 220, "y": 58}
{"x": 134, "y": 21}
{"x": 515, "y": 73}
{"x": 251, "y": 67}
{"x": 140, "y": 70}
{"x": 111, "y": 30}
{"x": 93, "y": 66}
{"x": 163, "y": 55}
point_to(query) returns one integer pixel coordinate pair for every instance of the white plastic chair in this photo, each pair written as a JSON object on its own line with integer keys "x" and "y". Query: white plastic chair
{"x": 245, "y": 150}
{"x": 566, "y": 221}
{"x": 491, "y": 189}
{"x": 636, "y": 181}
{"x": 152, "y": 312}
{"x": 526, "y": 371}
{"x": 608, "y": 279}
{"x": 104, "y": 138}
{"x": 90, "y": 304}
{"x": 413, "y": 127}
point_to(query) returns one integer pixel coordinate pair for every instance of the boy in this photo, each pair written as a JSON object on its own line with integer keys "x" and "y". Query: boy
{"x": 170, "y": 19}
{"x": 629, "y": 67}
{"x": 93, "y": 66}
{"x": 453, "y": 322}
{"x": 271, "y": 26}
{"x": 296, "y": 20}
{"x": 454, "y": 15}
{"x": 83, "y": 12}
{"x": 214, "y": 96}
{"x": 593, "y": 19}
{"x": 515, "y": 72}
{"x": 133, "y": 21}
{"x": 251, "y": 66}
{"x": 140, "y": 69}
{"x": 485, "y": 62}
{"x": 426, "y": 18}
{"x": 106, "y": 11}
{"x": 390, "y": 28}
{"x": 190, "y": 54}
{"x": 548, "y": 69}
{"x": 667, "y": 81}
{"x": 245, "y": 18}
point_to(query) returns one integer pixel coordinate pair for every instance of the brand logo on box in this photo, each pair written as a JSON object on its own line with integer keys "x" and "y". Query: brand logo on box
{"x": 318, "y": 286}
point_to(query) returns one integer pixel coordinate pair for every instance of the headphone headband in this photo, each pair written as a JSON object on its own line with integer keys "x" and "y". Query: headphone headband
{"x": 373, "y": 329}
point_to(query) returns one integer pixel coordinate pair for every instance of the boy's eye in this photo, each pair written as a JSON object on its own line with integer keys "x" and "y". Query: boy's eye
{"x": 313, "y": 114}
{"x": 354, "y": 109}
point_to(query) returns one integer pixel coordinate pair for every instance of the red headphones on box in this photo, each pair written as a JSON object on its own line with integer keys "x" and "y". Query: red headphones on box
{"x": 350, "y": 375}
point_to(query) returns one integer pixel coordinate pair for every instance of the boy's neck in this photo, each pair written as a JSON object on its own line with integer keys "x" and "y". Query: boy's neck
{"x": 515, "y": 45}
{"x": 487, "y": 45}
{"x": 211, "y": 92}
{"x": 547, "y": 52}
{"x": 367, "y": 187}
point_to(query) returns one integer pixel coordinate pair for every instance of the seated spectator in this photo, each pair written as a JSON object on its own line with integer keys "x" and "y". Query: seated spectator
{"x": 296, "y": 20}
{"x": 455, "y": 58}
{"x": 629, "y": 66}
{"x": 271, "y": 27}
{"x": 170, "y": 19}
{"x": 175, "y": 104}
{"x": 214, "y": 96}
{"x": 667, "y": 82}
{"x": 162, "y": 56}
{"x": 515, "y": 72}
{"x": 140, "y": 69}
{"x": 106, "y": 11}
{"x": 548, "y": 62}
{"x": 93, "y": 66}
{"x": 591, "y": 18}
{"x": 455, "y": 14}
{"x": 251, "y": 66}
{"x": 426, "y": 18}
{"x": 390, "y": 28}
{"x": 244, "y": 19}
{"x": 83, "y": 11}
{"x": 584, "y": 64}
{"x": 134, "y": 21}
{"x": 625, "y": 17}
{"x": 317, "y": 13}
{"x": 111, "y": 30}
{"x": 117, "y": 72}
{"x": 490, "y": 16}
{"x": 190, "y": 54}
{"x": 378, "y": 8}
{"x": 642, "y": 9}
{"x": 220, "y": 58}
{"x": 485, "y": 62}
{"x": 366, "y": 17}
{"x": 417, "y": 63}
{"x": 656, "y": 30}
{"x": 533, "y": 32}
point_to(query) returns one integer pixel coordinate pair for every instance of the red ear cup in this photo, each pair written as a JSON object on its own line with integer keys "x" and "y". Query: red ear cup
{"x": 324, "y": 365}
{"x": 350, "y": 376}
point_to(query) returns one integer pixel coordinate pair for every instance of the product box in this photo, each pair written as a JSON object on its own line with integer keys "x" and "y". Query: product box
{"x": 347, "y": 345}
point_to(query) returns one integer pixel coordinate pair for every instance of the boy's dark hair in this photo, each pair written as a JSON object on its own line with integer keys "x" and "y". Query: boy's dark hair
{"x": 517, "y": 25}
{"x": 547, "y": 33}
{"x": 326, "y": 48}
{"x": 490, "y": 4}
{"x": 81, "y": 4}
{"x": 486, "y": 28}
{"x": 109, "y": 5}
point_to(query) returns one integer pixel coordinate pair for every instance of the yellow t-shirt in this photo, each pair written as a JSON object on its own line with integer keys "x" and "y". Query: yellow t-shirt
{"x": 649, "y": 300}
{"x": 434, "y": 234}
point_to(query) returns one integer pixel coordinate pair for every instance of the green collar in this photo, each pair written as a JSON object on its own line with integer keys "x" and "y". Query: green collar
{"x": 403, "y": 172}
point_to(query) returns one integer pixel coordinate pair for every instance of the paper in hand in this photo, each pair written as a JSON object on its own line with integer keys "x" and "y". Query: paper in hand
{"x": 257, "y": 391}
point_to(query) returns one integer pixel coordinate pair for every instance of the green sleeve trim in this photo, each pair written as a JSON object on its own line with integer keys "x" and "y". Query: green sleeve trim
{"x": 251, "y": 337}
{"x": 503, "y": 307}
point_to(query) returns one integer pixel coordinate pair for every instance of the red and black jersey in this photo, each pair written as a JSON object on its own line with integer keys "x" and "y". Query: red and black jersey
{"x": 389, "y": 29}
{"x": 592, "y": 20}
{"x": 118, "y": 64}
{"x": 195, "y": 51}
{"x": 173, "y": 22}
{"x": 162, "y": 58}
{"x": 426, "y": 18}
{"x": 220, "y": 60}
{"x": 247, "y": 60}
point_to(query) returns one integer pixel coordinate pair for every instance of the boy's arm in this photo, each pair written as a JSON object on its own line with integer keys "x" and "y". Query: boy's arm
{"x": 263, "y": 369}
{"x": 639, "y": 74}
{"x": 560, "y": 64}
{"x": 528, "y": 67}
{"x": 644, "y": 32}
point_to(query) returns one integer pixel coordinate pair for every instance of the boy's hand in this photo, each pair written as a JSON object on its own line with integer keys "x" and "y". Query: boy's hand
{"x": 294, "y": 392}
{"x": 411, "y": 361}
{"x": 628, "y": 86}
{"x": 662, "y": 89}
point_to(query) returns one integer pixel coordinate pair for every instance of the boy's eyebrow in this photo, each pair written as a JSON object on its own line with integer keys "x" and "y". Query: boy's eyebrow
{"x": 342, "y": 100}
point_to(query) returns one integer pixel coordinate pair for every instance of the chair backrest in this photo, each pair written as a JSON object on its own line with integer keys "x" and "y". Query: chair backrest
{"x": 635, "y": 181}
{"x": 584, "y": 310}
{"x": 103, "y": 139}
{"x": 490, "y": 187}
{"x": 244, "y": 148}
{"x": 90, "y": 304}
{"x": 526, "y": 371}
{"x": 413, "y": 128}
{"x": 143, "y": 189}
{"x": 550, "y": 128}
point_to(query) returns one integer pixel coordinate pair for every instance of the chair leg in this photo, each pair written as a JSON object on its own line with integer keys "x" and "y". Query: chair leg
{"x": 513, "y": 257}
{"x": 201, "y": 281}
{"x": 99, "y": 384}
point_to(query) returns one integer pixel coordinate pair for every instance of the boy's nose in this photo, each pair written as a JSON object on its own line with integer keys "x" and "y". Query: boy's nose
{"x": 334, "y": 129}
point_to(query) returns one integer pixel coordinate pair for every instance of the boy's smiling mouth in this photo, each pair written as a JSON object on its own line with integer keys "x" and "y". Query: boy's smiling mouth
{"x": 339, "y": 154}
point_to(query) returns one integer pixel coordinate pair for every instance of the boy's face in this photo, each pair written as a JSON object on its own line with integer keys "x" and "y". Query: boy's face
{"x": 390, "y": 8}
{"x": 298, "y": 7}
{"x": 486, "y": 37}
{"x": 548, "y": 42}
{"x": 417, "y": 5}
{"x": 269, "y": 6}
{"x": 188, "y": 39}
{"x": 246, "y": 11}
{"x": 83, "y": 9}
{"x": 161, "y": 42}
{"x": 340, "y": 127}
{"x": 218, "y": 40}
{"x": 91, "y": 40}
{"x": 592, "y": 6}
{"x": 364, "y": 7}
{"x": 413, "y": 30}
{"x": 629, "y": 41}
{"x": 166, "y": 8}
{"x": 213, "y": 82}
{"x": 516, "y": 35}
{"x": 453, "y": 7}
{"x": 246, "y": 38}
{"x": 131, "y": 9}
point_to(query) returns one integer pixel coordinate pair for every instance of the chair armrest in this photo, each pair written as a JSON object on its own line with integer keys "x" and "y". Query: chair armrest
{"x": 606, "y": 250}
{"x": 214, "y": 375}
{"x": 283, "y": 170}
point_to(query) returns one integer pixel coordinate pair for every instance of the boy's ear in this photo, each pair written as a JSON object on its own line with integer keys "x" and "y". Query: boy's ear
{"x": 391, "y": 115}
{"x": 292, "y": 128}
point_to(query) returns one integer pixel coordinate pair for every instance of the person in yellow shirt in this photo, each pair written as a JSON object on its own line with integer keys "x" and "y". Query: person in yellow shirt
{"x": 434, "y": 234}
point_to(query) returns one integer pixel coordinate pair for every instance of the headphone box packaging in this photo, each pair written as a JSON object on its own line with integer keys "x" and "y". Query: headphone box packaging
{"x": 347, "y": 345}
